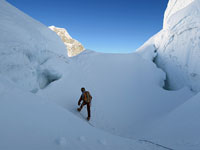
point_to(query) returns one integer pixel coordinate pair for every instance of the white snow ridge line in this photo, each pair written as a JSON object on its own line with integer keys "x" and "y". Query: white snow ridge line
{"x": 156, "y": 144}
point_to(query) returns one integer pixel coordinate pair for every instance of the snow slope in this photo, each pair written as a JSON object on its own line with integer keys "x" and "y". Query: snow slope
{"x": 180, "y": 128}
{"x": 29, "y": 122}
{"x": 26, "y": 48}
{"x": 128, "y": 97}
{"x": 32, "y": 57}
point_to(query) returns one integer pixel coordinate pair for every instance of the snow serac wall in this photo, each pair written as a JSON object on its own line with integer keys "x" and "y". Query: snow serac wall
{"x": 178, "y": 44}
{"x": 28, "y": 50}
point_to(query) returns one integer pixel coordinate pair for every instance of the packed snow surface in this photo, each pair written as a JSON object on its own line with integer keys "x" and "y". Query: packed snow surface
{"x": 29, "y": 122}
{"x": 129, "y": 100}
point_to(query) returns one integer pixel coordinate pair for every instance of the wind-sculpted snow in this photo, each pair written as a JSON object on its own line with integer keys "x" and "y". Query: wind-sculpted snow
{"x": 27, "y": 48}
{"x": 128, "y": 98}
{"x": 177, "y": 45}
{"x": 173, "y": 7}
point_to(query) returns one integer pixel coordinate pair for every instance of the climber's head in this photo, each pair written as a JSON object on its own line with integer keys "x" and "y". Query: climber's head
{"x": 82, "y": 89}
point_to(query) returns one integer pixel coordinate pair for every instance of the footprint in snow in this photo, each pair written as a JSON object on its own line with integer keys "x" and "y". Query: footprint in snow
{"x": 62, "y": 141}
{"x": 82, "y": 138}
{"x": 103, "y": 142}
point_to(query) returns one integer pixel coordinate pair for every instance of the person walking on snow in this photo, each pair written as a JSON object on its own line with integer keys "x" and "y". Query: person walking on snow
{"x": 86, "y": 98}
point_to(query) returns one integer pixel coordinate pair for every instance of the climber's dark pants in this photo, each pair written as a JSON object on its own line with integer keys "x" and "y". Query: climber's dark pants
{"x": 88, "y": 107}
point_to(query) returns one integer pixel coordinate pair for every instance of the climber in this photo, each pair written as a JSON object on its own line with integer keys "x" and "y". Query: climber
{"x": 86, "y": 98}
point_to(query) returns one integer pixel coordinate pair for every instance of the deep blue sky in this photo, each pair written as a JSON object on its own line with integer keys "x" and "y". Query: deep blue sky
{"x": 101, "y": 25}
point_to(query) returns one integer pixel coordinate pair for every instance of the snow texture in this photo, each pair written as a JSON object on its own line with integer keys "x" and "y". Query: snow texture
{"x": 128, "y": 98}
{"x": 178, "y": 45}
{"x": 31, "y": 122}
{"x": 26, "y": 49}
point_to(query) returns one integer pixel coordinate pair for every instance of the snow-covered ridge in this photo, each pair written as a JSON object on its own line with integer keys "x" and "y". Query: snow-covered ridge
{"x": 27, "y": 49}
{"x": 73, "y": 46}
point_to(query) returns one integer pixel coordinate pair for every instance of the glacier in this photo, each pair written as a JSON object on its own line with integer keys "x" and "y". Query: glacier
{"x": 131, "y": 108}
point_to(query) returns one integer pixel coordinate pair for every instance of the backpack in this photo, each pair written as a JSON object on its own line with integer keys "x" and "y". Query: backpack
{"x": 87, "y": 97}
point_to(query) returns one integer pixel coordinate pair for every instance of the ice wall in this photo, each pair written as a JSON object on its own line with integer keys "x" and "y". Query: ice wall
{"x": 27, "y": 48}
{"x": 178, "y": 44}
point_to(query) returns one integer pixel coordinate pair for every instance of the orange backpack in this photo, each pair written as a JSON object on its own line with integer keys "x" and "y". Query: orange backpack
{"x": 87, "y": 97}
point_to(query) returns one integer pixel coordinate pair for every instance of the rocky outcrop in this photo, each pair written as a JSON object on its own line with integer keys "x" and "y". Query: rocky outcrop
{"x": 74, "y": 47}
